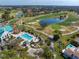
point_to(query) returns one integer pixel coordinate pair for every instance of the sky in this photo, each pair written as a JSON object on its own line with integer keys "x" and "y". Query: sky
{"x": 40, "y": 2}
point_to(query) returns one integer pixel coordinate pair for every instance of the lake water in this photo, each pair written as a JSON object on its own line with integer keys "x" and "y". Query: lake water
{"x": 49, "y": 21}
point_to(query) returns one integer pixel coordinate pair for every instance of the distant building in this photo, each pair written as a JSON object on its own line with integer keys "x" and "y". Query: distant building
{"x": 19, "y": 14}
{"x": 29, "y": 11}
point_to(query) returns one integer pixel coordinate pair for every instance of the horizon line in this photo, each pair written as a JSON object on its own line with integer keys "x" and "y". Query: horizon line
{"x": 39, "y": 5}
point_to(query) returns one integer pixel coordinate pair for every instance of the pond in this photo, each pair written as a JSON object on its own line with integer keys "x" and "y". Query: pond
{"x": 49, "y": 21}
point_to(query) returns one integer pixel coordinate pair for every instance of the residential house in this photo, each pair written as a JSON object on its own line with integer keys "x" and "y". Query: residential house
{"x": 71, "y": 52}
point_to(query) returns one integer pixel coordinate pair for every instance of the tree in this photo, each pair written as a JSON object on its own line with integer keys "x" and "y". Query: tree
{"x": 24, "y": 12}
{"x": 47, "y": 53}
{"x": 58, "y": 32}
{"x": 23, "y": 53}
{"x": 57, "y": 35}
{"x": 48, "y": 42}
{"x": 6, "y": 15}
{"x": 8, "y": 54}
{"x": 21, "y": 27}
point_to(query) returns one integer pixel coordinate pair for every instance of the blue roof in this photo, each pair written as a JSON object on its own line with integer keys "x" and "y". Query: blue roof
{"x": 8, "y": 28}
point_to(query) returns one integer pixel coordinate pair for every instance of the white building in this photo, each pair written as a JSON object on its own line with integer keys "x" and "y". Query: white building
{"x": 5, "y": 35}
{"x": 72, "y": 52}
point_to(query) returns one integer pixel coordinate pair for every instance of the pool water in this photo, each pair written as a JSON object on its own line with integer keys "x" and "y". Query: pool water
{"x": 8, "y": 28}
{"x": 27, "y": 36}
{"x": 70, "y": 46}
{"x": 48, "y": 21}
{"x": 1, "y": 30}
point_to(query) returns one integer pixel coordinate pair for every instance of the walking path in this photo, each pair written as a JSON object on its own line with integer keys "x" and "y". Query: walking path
{"x": 40, "y": 31}
{"x": 73, "y": 31}
{"x": 52, "y": 35}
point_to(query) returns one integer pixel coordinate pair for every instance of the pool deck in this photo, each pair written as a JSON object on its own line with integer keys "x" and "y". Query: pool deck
{"x": 20, "y": 35}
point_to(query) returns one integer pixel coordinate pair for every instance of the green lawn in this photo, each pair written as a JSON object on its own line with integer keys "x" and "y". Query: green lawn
{"x": 59, "y": 57}
{"x": 71, "y": 18}
{"x": 56, "y": 26}
{"x": 50, "y": 15}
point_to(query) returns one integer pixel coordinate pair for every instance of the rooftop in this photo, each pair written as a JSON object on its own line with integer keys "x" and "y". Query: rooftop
{"x": 73, "y": 51}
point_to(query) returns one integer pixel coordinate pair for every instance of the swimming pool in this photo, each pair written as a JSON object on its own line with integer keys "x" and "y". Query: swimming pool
{"x": 1, "y": 30}
{"x": 70, "y": 46}
{"x": 8, "y": 28}
{"x": 26, "y": 36}
{"x": 48, "y": 21}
